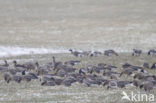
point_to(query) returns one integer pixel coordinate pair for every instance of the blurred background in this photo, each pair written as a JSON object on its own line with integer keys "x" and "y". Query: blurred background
{"x": 79, "y": 24}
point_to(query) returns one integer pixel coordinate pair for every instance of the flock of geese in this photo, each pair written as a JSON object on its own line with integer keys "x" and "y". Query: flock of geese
{"x": 136, "y": 52}
{"x": 56, "y": 73}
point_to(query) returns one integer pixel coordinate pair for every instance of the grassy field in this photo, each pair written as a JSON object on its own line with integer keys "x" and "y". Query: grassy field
{"x": 33, "y": 92}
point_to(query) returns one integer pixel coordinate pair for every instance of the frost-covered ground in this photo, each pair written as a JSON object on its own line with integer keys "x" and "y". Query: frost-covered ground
{"x": 6, "y": 51}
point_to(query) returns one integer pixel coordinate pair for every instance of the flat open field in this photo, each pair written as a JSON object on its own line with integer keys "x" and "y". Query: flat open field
{"x": 33, "y": 92}
{"x": 89, "y": 24}
{"x": 34, "y": 28}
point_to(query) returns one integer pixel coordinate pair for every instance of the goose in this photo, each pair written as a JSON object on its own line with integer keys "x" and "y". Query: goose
{"x": 146, "y": 65}
{"x": 148, "y": 86}
{"x": 61, "y": 73}
{"x": 11, "y": 71}
{"x": 153, "y": 66}
{"x": 79, "y": 78}
{"x": 114, "y": 77}
{"x": 58, "y": 81}
{"x": 26, "y": 78}
{"x": 72, "y": 62}
{"x": 145, "y": 77}
{"x": 69, "y": 69}
{"x": 126, "y": 65}
{"x": 152, "y": 52}
{"x": 109, "y": 73}
{"x": 90, "y": 80}
{"x": 66, "y": 68}
{"x": 100, "y": 80}
{"x": 137, "y": 83}
{"x": 139, "y": 76}
{"x": 19, "y": 67}
{"x": 110, "y": 67}
{"x": 110, "y": 52}
{"x": 135, "y": 68}
{"x": 5, "y": 64}
{"x": 112, "y": 84}
{"x": 31, "y": 75}
{"x": 76, "y": 53}
{"x": 60, "y": 65}
{"x": 95, "y": 53}
{"x": 88, "y": 69}
{"x": 56, "y": 64}
{"x": 129, "y": 71}
{"x": 50, "y": 65}
{"x": 122, "y": 84}
{"x": 17, "y": 78}
{"x": 47, "y": 78}
{"x": 68, "y": 80}
{"x": 41, "y": 70}
{"x": 102, "y": 65}
{"x": 29, "y": 65}
{"x": 3, "y": 69}
{"x": 136, "y": 52}
{"x": 132, "y": 70}
{"x": 86, "y": 53}
{"x": 7, "y": 77}
{"x": 44, "y": 66}
{"x": 48, "y": 83}
{"x": 96, "y": 69}
{"x": 150, "y": 78}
